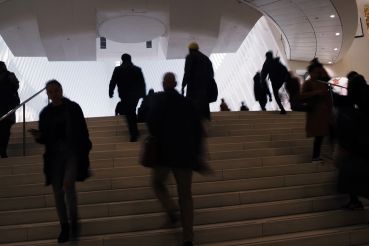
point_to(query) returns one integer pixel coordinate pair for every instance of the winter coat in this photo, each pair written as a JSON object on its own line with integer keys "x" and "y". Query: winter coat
{"x": 72, "y": 128}
{"x": 319, "y": 117}
{"x": 175, "y": 124}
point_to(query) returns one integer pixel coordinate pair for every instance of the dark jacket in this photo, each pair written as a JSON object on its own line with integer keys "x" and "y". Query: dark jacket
{"x": 276, "y": 70}
{"x": 198, "y": 74}
{"x": 9, "y": 97}
{"x": 130, "y": 82}
{"x": 73, "y": 130}
{"x": 177, "y": 127}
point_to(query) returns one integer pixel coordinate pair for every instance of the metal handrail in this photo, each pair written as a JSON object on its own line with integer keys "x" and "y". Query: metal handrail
{"x": 23, "y": 104}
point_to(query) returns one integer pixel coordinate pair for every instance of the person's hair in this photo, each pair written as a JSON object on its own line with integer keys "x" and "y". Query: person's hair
{"x": 269, "y": 54}
{"x": 53, "y": 82}
{"x": 169, "y": 81}
{"x": 126, "y": 58}
{"x": 314, "y": 64}
{"x": 351, "y": 75}
{"x": 2, "y": 64}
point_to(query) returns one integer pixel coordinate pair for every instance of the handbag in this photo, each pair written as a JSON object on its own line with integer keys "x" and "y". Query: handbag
{"x": 150, "y": 152}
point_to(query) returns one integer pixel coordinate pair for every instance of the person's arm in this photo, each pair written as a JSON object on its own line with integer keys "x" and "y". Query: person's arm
{"x": 142, "y": 83}
{"x": 113, "y": 83}
{"x": 187, "y": 73}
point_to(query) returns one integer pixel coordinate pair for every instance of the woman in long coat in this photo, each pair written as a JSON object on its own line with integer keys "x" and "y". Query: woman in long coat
{"x": 319, "y": 118}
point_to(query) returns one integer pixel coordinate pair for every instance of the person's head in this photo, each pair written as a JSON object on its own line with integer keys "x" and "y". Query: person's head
{"x": 2, "y": 67}
{"x": 242, "y": 103}
{"x": 269, "y": 54}
{"x": 151, "y": 92}
{"x": 193, "y": 47}
{"x": 54, "y": 91}
{"x": 126, "y": 58}
{"x": 222, "y": 100}
{"x": 169, "y": 81}
{"x": 351, "y": 75}
{"x": 315, "y": 69}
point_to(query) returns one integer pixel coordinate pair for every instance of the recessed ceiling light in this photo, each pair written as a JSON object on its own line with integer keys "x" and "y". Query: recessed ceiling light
{"x": 330, "y": 62}
{"x": 335, "y": 49}
{"x": 337, "y": 33}
{"x": 332, "y": 16}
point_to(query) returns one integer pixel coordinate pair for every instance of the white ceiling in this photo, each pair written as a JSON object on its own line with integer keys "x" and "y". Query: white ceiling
{"x": 69, "y": 30}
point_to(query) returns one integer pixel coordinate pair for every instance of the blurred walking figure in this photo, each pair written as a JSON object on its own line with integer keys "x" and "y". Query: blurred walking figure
{"x": 131, "y": 87}
{"x": 63, "y": 131}
{"x": 197, "y": 76}
{"x": 352, "y": 156}
{"x": 224, "y": 106}
{"x": 261, "y": 91}
{"x": 243, "y": 107}
{"x": 319, "y": 117}
{"x": 176, "y": 125}
{"x": 277, "y": 74}
{"x": 9, "y": 99}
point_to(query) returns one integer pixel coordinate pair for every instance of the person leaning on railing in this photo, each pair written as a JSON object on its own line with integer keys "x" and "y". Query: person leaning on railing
{"x": 9, "y": 98}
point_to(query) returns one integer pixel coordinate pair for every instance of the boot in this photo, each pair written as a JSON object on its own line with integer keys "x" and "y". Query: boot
{"x": 75, "y": 231}
{"x": 64, "y": 234}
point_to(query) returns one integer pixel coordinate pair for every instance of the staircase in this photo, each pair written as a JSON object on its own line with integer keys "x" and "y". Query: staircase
{"x": 265, "y": 191}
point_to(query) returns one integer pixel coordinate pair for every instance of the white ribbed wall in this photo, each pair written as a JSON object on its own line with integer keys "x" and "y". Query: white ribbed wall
{"x": 87, "y": 82}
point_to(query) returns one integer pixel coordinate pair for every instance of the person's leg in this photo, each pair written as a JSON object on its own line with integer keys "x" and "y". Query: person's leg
{"x": 131, "y": 118}
{"x": 159, "y": 177}
{"x": 57, "y": 184}
{"x": 262, "y": 104}
{"x": 183, "y": 178}
{"x": 5, "y": 127}
{"x": 71, "y": 195}
{"x": 277, "y": 99}
{"x": 316, "y": 147}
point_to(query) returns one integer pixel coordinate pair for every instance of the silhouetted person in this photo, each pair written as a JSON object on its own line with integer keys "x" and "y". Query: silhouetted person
{"x": 224, "y": 106}
{"x": 145, "y": 106}
{"x": 63, "y": 131}
{"x": 293, "y": 88}
{"x": 261, "y": 91}
{"x": 176, "y": 125}
{"x": 319, "y": 118}
{"x": 243, "y": 107}
{"x": 9, "y": 99}
{"x": 352, "y": 156}
{"x": 198, "y": 72}
{"x": 119, "y": 109}
{"x": 131, "y": 87}
{"x": 277, "y": 74}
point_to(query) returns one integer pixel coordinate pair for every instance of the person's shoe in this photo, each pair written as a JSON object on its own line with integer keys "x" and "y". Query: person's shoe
{"x": 64, "y": 234}
{"x": 317, "y": 160}
{"x": 283, "y": 112}
{"x": 353, "y": 206}
{"x": 187, "y": 243}
{"x": 3, "y": 155}
{"x": 75, "y": 231}
{"x": 173, "y": 219}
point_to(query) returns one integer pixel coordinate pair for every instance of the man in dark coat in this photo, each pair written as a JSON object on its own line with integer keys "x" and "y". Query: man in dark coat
{"x": 176, "y": 125}
{"x": 197, "y": 76}
{"x": 277, "y": 74}
{"x": 63, "y": 131}
{"x": 9, "y": 99}
{"x": 261, "y": 91}
{"x": 131, "y": 87}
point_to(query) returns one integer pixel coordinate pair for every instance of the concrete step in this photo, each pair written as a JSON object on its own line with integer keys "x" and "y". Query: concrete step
{"x": 149, "y": 227}
{"x": 342, "y": 236}
{"x": 139, "y": 187}
{"x": 203, "y": 211}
